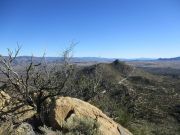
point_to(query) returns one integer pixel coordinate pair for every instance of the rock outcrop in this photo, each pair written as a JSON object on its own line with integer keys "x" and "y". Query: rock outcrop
{"x": 11, "y": 108}
{"x": 8, "y": 128}
{"x": 4, "y": 99}
{"x": 65, "y": 114}
{"x": 66, "y": 108}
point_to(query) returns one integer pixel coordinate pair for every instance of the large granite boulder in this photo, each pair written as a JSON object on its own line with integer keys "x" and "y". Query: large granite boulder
{"x": 65, "y": 110}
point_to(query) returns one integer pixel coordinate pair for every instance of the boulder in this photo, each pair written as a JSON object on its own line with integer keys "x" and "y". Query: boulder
{"x": 64, "y": 109}
{"x": 8, "y": 128}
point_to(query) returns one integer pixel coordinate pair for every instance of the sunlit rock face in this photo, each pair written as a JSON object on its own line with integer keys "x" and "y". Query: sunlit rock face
{"x": 65, "y": 109}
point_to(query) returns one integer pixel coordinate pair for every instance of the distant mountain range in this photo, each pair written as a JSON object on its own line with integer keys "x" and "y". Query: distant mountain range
{"x": 81, "y": 59}
{"x": 170, "y": 59}
{"x": 59, "y": 59}
{"x": 26, "y": 59}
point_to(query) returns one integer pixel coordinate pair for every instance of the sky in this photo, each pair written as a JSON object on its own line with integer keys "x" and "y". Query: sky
{"x": 101, "y": 28}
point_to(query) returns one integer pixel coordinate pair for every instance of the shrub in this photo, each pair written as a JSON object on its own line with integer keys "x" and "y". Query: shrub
{"x": 75, "y": 126}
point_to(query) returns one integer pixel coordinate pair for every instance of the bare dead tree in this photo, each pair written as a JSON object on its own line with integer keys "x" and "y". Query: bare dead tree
{"x": 38, "y": 81}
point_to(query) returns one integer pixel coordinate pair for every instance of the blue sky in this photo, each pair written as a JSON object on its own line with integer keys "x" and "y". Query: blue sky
{"x": 102, "y": 28}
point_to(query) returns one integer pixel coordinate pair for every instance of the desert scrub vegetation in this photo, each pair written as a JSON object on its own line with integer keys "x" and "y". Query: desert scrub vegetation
{"x": 82, "y": 126}
{"x": 75, "y": 126}
{"x": 117, "y": 111}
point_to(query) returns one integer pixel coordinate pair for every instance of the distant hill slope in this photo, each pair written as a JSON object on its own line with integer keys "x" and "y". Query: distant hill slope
{"x": 143, "y": 102}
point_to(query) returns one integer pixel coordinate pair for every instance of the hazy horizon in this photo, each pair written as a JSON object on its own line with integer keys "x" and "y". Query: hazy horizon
{"x": 103, "y": 28}
{"x": 59, "y": 56}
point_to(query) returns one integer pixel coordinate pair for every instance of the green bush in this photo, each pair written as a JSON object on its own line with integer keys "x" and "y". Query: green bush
{"x": 75, "y": 126}
{"x": 81, "y": 126}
